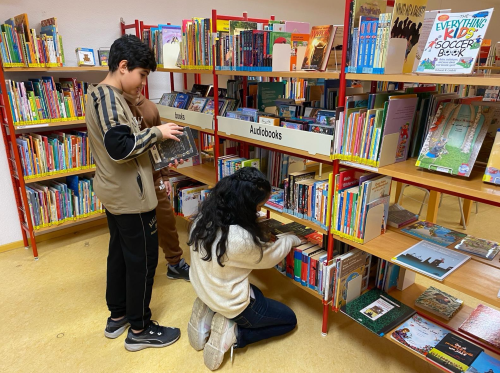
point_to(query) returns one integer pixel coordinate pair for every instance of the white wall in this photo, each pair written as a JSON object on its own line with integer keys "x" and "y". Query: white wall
{"x": 95, "y": 23}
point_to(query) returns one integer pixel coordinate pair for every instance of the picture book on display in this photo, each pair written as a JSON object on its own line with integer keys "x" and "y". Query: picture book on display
{"x": 431, "y": 260}
{"x": 318, "y": 48}
{"x": 377, "y": 311}
{"x": 483, "y": 323}
{"x": 439, "y": 303}
{"x": 167, "y": 151}
{"x": 454, "y": 42}
{"x": 419, "y": 334}
{"x": 399, "y": 216}
{"x": 454, "y": 354}
{"x": 479, "y": 247}
{"x": 492, "y": 172}
{"x": 455, "y": 137}
{"x": 433, "y": 233}
{"x": 484, "y": 363}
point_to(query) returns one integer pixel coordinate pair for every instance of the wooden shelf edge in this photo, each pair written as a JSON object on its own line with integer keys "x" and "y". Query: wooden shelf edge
{"x": 192, "y": 126}
{"x": 62, "y": 69}
{"x": 203, "y": 172}
{"x": 283, "y": 74}
{"x": 482, "y": 80}
{"x": 184, "y": 71}
{"x": 57, "y": 176}
{"x": 300, "y": 286}
{"x": 69, "y": 224}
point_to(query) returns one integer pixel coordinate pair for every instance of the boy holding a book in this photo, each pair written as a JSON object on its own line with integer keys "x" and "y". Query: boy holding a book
{"x": 124, "y": 183}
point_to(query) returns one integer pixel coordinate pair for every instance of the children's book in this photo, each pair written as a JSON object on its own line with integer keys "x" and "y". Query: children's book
{"x": 431, "y": 260}
{"x": 198, "y": 104}
{"x": 479, "y": 247}
{"x": 103, "y": 56}
{"x": 483, "y": 323}
{"x": 454, "y": 354}
{"x": 419, "y": 334}
{"x": 276, "y": 201}
{"x": 484, "y": 364}
{"x": 318, "y": 48}
{"x": 167, "y": 151}
{"x": 492, "y": 172}
{"x": 399, "y": 216}
{"x": 181, "y": 101}
{"x": 85, "y": 57}
{"x": 433, "y": 233}
{"x": 454, "y": 42}
{"x": 439, "y": 303}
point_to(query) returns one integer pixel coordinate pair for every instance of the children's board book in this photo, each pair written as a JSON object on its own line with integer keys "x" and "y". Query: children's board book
{"x": 492, "y": 173}
{"x": 431, "y": 260}
{"x": 103, "y": 56}
{"x": 439, "y": 303}
{"x": 454, "y": 42}
{"x": 85, "y": 57}
{"x": 484, "y": 364}
{"x": 419, "y": 334}
{"x": 483, "y": 323}
{"x": 454, "y": 354}
{"x": 479, "y": 247}
{"x": 318, "y": 48}
{"x": 455, "y": 137}
{"x": 377, "y": 311}
{"x": 167, "y": 151}
{"x": 433, "y": 233}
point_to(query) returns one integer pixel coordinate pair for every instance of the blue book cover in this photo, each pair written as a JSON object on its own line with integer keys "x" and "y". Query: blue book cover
{"x": 181, "y": 101}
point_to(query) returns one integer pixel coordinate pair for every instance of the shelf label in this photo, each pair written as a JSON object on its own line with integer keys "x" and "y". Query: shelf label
{"x": 313, "y": 143}
{"x": 190, "y": 118}
{"x": 31, "y": 126}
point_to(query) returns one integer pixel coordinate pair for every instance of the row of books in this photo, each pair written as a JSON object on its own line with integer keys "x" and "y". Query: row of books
{"x": 22, "y": 46}
{"x": 197, "y": 42}
{"x": 45, "y": 100}
{"x": 229, "y": 164}
{"x": 193, "y": 102}
{"x": 55, "y": 153}
{"x": 57, "y": 202}
{"x": 186, "y": 194}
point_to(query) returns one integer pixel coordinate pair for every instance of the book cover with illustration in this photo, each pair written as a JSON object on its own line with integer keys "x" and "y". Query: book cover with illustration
{"x": 479, "y": 247}
{"x": 483, "y": 323}
{"x": 485, "y": 364}
{"x": 377, "y": 311}
{"x": 198, "y": 104}
{"x": 439, "y": 303}
{"x": 166, "y": 152}
{"x": 352, "y": 276}
{"x": 492, "y": 172}
{"x": 368, "y": 8}
{"x": 433, "y": 233}
{"x": 235, "y": 27}
{"x": 419, "y": 334}
{"x": 276, "y": 200}
{"x": 431, "y": 260}
{"x": 454, "y": 354}
{"x": 454, "y": 42}
{"x": 318, "y": 48}
{"x": 280, "y": 38}
{"x": 181, "y": 101}
{"x": 407, "y": 20}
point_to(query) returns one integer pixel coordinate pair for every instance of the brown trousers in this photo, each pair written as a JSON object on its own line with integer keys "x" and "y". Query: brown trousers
{"x": 167, "y": 233}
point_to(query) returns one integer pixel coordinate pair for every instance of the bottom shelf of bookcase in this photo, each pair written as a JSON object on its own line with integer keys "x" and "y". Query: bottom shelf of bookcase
{"x": 67, "y": 224}
{"x": 299, "y": 285}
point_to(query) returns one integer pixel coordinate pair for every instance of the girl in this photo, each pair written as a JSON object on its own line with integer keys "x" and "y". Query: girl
{"x": 226, "y": 244}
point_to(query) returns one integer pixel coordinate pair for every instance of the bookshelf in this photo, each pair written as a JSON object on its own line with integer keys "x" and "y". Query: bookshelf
{"x": 57, "y": 69}
{"x": 283, "y": 74}
{"x": 203, "y": 172}
{"x": 184, "y": 71}
{"x": 47, "y": 126}
{"x": 478, "y": 79}
{"x": 71, "y": 223}
{"x": 58, "y": 175}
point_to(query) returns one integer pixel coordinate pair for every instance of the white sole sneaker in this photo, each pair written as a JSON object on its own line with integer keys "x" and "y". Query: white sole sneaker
{"x": 116, "y": 333}
{"x": 141, "y": 346}
{"x": 201, "y": 316}
{"x": 219, "y": 343}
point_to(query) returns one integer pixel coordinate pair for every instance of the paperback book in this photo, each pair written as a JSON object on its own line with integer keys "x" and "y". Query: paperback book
{"x": 167, "y": 151}
{"x": 479, "y": 247}
{"x": 454, "y": 354}
{"x": 483, "y": 323}
{"x": 484, "y": 364}
{"x": 318, "y": 48}
{"x": 439, "y": 303}
{"x": 433, "y": 233}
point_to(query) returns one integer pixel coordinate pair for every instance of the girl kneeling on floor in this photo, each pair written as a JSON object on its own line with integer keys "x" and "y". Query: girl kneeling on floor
{"x": 226, "y": 244}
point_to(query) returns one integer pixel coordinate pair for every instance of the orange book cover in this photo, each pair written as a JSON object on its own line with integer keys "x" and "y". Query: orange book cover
{"x": 318, "y": 48}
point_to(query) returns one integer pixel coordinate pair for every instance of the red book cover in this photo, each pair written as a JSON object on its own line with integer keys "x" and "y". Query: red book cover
{"x": 289, "y": 264}
{"x": 312, "y": 272}
{"x": 484, "y": 324}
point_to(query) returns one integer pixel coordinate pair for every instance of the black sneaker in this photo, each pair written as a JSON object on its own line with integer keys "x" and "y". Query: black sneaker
{"x": 179, "y": 271}
{"x": 153, "y": 336}
{"x": 114, "y": 329}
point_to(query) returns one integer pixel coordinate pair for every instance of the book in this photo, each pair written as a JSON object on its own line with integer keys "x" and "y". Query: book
{"x": 103, "y": 54}
{"x": 454, "y": 354}
{"x": 318, "y": 48}
{"x": 479, "y": 247}
{"x": 492, "y": 172}
{"x": 484, "y": 363}
{"x": 85, "y": 57}
{"x": 182, "y": 101}
{"x": 433, "y": 233}
{"x": 377, "y": 311}
{"x": 439, "y": 303}
{"x": 399, "y": 216}
{"x": 454, "y": 42}
{"x": 276, "y": 201}
{"x": 167, "y": 151}
{"x": 483, "y": 323}
{"x": 431, "y": 260}
{"x": 419, "y": 334}
{"x": 198, "y": 104}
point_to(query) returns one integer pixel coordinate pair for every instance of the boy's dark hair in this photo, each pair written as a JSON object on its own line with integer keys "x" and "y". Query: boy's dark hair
{"x": 233, "y": 201}
{"x": 134, "y": 51}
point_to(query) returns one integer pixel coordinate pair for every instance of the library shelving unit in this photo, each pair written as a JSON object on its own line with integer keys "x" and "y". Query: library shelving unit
{"x": 9, "y": 132}
{"x": 477, "y": 278}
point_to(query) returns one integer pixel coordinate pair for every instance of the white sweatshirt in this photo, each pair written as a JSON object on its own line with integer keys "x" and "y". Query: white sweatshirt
{"x": 226, "y": 290}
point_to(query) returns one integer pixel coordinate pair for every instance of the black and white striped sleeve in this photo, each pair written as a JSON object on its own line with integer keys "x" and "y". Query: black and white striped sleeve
{"x": 120, "y": 142}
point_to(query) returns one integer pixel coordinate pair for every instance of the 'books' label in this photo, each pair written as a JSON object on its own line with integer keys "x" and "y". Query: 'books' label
{"x": 180, "y": 116}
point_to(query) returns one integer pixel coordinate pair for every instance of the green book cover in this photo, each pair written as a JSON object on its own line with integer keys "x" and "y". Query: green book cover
{"x": 278, "y": 37}
{"x": 268, "y": 93}
{"x": 377, "y": 311}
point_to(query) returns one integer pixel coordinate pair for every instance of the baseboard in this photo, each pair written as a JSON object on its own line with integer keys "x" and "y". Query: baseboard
{"x": 55, "y": 234}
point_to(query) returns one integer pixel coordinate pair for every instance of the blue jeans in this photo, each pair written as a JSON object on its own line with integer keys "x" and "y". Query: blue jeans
{"x": 263, "y": 318}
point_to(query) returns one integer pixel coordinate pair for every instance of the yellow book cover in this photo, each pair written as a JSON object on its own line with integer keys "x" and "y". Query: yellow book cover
{"x": 368, "y": 8}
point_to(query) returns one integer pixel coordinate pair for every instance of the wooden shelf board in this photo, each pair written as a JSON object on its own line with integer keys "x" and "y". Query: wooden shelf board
{"x": 307, "y": 223}
{"x": 204, "y": 173}
{"x": 193, "y": 127}
{"x": 58, "y": 176}
{"x": 284, "y": 74}
{"x": 63, "y": 69}
{"x": 306, "y": 289}
{"x": 49, "y": 126}
{"x": 474, "y": 278}
{"x": 477, "y": 79}
{"x": 279, "y": 148}
{"x": 68, "y": 224}
{"x": 183, "y": 71}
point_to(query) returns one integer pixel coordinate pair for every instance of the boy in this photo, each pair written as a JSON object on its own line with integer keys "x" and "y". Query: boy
{"x": 147, "y": 116}
{"x": 123, "y": 182}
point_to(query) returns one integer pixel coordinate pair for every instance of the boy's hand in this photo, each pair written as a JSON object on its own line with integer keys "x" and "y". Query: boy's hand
{"x": 169, "y": 130}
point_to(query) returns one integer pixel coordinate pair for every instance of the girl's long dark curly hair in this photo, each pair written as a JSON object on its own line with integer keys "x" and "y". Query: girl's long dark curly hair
{"x": 233, "y": 201}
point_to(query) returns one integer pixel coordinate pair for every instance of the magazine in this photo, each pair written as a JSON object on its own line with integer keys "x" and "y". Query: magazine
{"x": 167, "y": 151}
